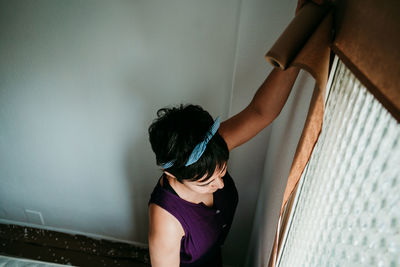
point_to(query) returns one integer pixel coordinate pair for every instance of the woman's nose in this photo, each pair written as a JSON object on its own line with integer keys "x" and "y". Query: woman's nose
{"x": 219, "y": 183}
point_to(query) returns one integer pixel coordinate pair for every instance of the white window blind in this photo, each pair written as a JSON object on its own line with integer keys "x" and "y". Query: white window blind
{"x": 347, "y": 211}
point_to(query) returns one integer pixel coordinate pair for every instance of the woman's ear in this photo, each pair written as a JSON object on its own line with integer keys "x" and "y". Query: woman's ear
{"x": 169, "y": 174}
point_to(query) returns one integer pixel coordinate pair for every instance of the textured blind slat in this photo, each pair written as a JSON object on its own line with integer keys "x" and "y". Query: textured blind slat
{"x": 348, "y": 211}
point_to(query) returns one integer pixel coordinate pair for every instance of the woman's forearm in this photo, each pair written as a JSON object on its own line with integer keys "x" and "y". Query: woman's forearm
{"x": 266, "y": 105}
{"x": 274, "y": 92}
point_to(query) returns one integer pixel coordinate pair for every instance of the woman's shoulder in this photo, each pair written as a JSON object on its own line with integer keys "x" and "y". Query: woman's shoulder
{"x": 160, "y": 210}
{"x": 228, "y": 180}
{"x": 165, "y": 234}
{"x": 162, "y": 220}
{"x": 162, "y": 196}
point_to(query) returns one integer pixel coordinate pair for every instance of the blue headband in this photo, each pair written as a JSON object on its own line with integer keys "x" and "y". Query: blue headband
{"x": 199, "y": 148}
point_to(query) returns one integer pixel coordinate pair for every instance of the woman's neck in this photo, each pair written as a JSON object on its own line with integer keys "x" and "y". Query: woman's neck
{"x": 184, "y": 192}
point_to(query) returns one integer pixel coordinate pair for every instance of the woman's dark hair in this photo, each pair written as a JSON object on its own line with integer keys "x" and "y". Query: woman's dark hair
{"x": 174, "y": 134}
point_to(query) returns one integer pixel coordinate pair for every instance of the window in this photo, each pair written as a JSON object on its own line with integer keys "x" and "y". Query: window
{"x": 347, "y": 207}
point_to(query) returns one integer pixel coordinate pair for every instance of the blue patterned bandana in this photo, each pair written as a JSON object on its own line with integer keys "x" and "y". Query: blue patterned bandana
{"x": 199, "y": 148}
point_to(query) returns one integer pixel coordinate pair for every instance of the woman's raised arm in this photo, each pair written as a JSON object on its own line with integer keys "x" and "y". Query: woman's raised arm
{"x": 266, "y": 105}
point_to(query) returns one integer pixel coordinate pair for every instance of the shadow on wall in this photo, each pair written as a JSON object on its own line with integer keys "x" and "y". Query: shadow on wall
{"x": 285, "y": 134}
{"x": 141, "y": 173}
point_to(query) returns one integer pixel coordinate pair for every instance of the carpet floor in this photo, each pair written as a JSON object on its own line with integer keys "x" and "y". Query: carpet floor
{"x": 61, "y": 248}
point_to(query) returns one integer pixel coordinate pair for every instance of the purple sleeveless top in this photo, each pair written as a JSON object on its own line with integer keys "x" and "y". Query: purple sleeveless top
{"x": 205, "y": 227}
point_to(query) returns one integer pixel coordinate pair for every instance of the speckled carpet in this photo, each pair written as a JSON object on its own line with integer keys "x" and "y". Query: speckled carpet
{"x": 61, "y": 248}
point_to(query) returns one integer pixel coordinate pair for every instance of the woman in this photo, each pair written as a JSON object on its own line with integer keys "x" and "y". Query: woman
{"x": 192, "y": 206}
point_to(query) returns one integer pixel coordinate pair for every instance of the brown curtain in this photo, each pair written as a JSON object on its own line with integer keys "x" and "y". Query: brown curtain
{"x": 367, "y": 37}
{"x": 368, "y": 42}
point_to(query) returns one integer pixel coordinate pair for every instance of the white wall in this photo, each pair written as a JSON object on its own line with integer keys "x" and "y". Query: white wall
{"x": 259, "y": 166}
{"x": 82, "y": 80}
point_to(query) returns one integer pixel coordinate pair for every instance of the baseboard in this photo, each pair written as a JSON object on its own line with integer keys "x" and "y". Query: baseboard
{"x": 73, "y": 232}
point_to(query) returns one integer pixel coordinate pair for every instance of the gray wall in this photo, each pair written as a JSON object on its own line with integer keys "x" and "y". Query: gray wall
{"x": 80, "y": 81}
{"x": 261, "y": 22}
{"x": 284, "y": 136}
